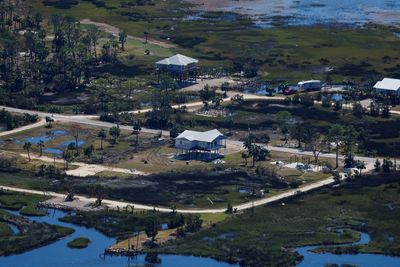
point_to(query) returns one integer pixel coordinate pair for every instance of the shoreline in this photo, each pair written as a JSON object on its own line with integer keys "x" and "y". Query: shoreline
{"x": 269, "y": 13}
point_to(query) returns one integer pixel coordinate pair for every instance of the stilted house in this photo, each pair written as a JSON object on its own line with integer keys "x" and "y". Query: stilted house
{"x": 388, "y": 86}
{"x": 200, "y": 145}
{"x": 179, "y": 67}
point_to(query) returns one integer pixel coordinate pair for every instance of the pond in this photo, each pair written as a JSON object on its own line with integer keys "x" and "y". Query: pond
{"x": 37, "y": 139}
{"x": 67, "y": 143}
{"x": 53, "y": 151}
{"x": 366, "y": 260}
{"x": 59, "y": 255}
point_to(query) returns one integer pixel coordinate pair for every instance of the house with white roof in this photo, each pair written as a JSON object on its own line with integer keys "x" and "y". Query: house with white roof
{"x": 200, "y": 145}
{"x": 388, "y": 86}
{"x": 178, "y": 66}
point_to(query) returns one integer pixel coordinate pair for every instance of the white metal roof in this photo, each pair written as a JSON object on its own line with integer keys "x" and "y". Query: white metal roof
{"x": 208, "y": 136}
{"x": 388, "y": 84}
{"x": 177, "y": 59}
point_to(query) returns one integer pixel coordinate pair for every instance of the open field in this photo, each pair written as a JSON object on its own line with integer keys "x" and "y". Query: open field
{"x": 283, "y": 53}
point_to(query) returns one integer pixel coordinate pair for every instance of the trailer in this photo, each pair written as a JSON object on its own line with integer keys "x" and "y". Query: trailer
{"x": 310, "y": 85}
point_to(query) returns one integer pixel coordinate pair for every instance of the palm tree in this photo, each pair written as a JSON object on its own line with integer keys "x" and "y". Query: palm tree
{"x": 335, "y": 134}
{"x": 27, "y": 147}
{"x": 360, "y": 165}
{"x": 41, "y": 145}
{"x": 122, "y": 39}
{"x": 76, "y": 131}
{"x": 136, "y": 131}
{"x": 67, "y": 156}
{"x": 102, "y": 135}
{"x": 49, "y": 121}
{"x": 145, "y": 36}
{"x": 115, "y": 132}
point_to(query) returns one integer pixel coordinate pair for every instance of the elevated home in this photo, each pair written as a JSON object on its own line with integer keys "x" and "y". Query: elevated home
{"x": 200, "y": 145}
{"x": 388, "y": 86}
{"x": 179, "y": 67}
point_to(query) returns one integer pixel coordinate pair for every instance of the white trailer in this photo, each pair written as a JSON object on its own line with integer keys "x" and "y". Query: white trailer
{"x": 310, "y": 85}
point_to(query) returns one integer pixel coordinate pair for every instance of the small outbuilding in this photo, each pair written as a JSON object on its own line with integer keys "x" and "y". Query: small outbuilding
{"x": 200, "y": 145}
{"x": 388, "y": 86}
{"x": 179, "y": 67}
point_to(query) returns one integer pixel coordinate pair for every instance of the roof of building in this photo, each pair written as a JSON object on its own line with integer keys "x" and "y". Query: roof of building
{"x": 208, "y": 136}
{"x": 388, "y": 84}
{"x": 177, "y": 59}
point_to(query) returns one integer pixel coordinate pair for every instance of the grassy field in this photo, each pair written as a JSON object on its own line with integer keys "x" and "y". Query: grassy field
{"x": 61, "y": 135}
{"x": 303, "y": 221}
{"x": 218, "y": 39}
{"x": 26, "y": 204}
{"x": 118, "y": 224}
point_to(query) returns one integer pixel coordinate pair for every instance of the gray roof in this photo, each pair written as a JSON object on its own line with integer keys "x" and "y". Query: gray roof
{"x": 177, "y": 59}
{"x": 208, "y": 136}
{"x": 388, "y": 84}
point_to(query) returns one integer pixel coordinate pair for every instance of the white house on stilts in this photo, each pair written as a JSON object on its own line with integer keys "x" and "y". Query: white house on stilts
{"x": 200, "y": 145}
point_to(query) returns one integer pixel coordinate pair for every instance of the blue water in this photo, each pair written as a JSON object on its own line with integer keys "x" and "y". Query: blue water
{"x": 59, "y": 255}
{"x": 58, "y": 132}
{"x": 66, "y": 143}
{"x": 261, "y": 89}
{"x": 14, "y": 228}
{"x": 266, "y": 13}
{"x": 335, "y": 97}
{"x": 363, "y": 260}
{"x": 36, "y": 140}
{"x": 52, "y": 151}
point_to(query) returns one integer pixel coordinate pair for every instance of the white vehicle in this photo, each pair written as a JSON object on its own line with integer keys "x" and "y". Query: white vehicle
{"x": 310, "y": 85}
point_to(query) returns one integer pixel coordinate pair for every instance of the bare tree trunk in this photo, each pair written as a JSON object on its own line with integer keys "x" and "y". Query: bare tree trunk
{"x": 337, "y": 155}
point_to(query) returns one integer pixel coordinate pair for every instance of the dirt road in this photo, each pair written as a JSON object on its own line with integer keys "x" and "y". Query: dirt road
{"x": 114, "y": 204}
{"x": 24, "y": 128}
{"x": 115, "y": 31}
